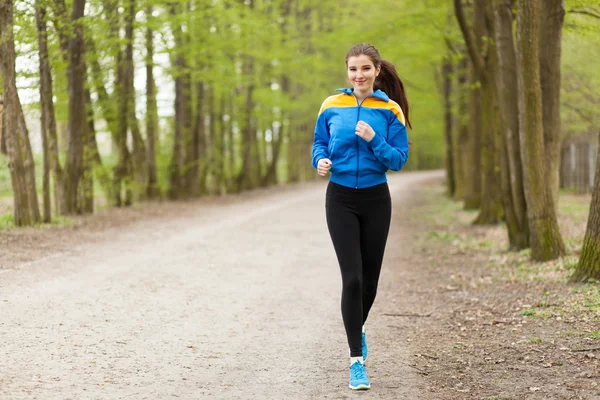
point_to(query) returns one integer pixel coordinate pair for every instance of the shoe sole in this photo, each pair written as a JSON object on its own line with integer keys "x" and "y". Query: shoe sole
{"x": 360, "y": 387}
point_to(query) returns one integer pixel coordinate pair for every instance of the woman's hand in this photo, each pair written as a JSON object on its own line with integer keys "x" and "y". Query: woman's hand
{"x": 365, "y": 131}
{"x": 323, "y": 166}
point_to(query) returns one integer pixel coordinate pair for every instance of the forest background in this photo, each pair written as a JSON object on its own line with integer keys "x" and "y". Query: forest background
{"x": 142, "y": 99}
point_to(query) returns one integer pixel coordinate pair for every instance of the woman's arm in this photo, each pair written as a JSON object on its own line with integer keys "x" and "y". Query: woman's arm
{"x": 392, "y": 153}
{"x": 321, "y": 139}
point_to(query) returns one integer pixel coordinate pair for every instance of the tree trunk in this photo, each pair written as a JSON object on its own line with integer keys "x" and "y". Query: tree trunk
{"x": 177, "y": 164}
{"x": 138, "y": 151}
{"x": 20, "y": 157}
{"x": 515, "y": 208}
{"x": 90, "y": 155}
{"x": 472, "y": 159}
{"x": 249, "y": 175}
{"x": 152, "y": 188}
{"x": 77, "y": 112}
{"x": 546, "y": 241}
{"x": 46, "y": 105}
{"x": 552, "y": 18}
{"x": 447, "y": 71}
{"x": 588, "y": 266}
{"x": 2, "y": 127}
{"x": 491, "y": 194}
{"x": 461, "y": 130}
{"x": 123, "y": 169}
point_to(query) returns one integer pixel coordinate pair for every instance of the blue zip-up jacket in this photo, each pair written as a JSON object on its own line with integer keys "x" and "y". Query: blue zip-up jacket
{"x": 355, "y": 162}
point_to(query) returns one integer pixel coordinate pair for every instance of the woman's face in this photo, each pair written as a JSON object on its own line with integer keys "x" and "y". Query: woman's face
{"x": 362, "y": 73}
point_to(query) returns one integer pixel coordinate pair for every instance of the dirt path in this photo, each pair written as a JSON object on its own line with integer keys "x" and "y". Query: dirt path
{"x": 236, "y": 300}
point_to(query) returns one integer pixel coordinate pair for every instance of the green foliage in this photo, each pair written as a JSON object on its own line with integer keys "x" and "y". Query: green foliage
{"x": 5, "y": 185}
{"x": 7, "y": 220}
{"x": 580, "y": 63}
{"x": 528, "y": 313}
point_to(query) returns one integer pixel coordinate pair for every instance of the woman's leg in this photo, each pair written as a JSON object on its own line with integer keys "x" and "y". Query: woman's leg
{"x": 344, "y": 229}
{"x": 374, "y": 228}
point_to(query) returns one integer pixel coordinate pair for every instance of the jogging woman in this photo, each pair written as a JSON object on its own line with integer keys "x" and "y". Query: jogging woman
{"x": 360, "y": 134}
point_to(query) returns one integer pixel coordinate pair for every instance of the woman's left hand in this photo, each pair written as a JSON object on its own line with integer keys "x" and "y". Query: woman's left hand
{"x": 365, "y": 131}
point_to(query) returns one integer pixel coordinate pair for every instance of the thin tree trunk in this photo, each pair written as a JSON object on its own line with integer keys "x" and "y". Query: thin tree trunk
{"x": 47, "y": 102}
{"x": 472, "y": 159}
{"x": 546, "y": 241}
{"x": 77, "y": 112}
{"x": 20, "y": 157}
{"x": 230, "y": 155}
{"x": 138, "y": 159}
{"x": 2, "y": 127}
{"x": 248, "y": 177}
{"x": 552, "y": 18}
{"x": 461, "y": 130}
{"x": 152, "y": 188}
{"x": 447, "y": 71}
{"x": 177, "y": 164}
{"x": 515, "y": 208}
{"x": 122, "y": 171}
{"x": 47, "y": 106}
{"x": 90, "y": 152}
{"x": 215, "y": 142}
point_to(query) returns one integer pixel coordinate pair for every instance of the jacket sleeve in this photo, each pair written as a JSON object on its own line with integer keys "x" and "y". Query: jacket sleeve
{"x": 320, "y": 147}
{"x": 392, "y": 153}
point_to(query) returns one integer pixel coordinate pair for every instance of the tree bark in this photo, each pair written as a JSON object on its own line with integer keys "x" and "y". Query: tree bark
{"x": 513, "y": 196}
{"x": 461, "y": 129}
{"x": 552, "y": 18}
{"x": 546, "y": 241}
{"x": 2, "y": 127}
{"x": 77, "y": 112}
{"x": 152, "y": 187}
{"x": 20, "y": 157}
{"x": 48, "y": 118}
{"x": 447, "y": 71}
{"x": 177, "y": 164}
{"x": 491, "y": 195}
{"x": 588, "y": 266}
{"x": 472, "y": 158}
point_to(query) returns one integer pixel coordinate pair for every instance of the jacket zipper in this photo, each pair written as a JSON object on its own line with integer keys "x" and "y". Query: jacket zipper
{"x": 357, "y": 143}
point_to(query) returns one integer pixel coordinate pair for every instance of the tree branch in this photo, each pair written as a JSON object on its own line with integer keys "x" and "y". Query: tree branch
{"x": 579, "y": 112}
{"x": 468, "y": 35}
{"x": 585, "y": 12}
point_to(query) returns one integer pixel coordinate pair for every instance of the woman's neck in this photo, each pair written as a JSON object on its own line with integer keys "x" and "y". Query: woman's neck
{"x": 362, "y": 95}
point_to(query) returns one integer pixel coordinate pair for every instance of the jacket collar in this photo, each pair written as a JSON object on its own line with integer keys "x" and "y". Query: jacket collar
{"x": 377, "y": 94}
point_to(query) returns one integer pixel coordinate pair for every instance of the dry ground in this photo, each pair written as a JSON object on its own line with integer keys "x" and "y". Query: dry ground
{"x": 238, "y": 298}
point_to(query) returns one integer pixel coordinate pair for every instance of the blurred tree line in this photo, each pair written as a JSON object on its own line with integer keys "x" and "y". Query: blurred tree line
{"x": 495, "y": 87}
{"x": 247, "y": 78}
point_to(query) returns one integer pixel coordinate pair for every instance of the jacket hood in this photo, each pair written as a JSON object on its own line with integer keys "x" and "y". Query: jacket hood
{"x": 378, "y": 93}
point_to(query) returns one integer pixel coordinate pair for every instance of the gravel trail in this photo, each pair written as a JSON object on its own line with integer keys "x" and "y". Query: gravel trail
{"x": 238, "y": 301}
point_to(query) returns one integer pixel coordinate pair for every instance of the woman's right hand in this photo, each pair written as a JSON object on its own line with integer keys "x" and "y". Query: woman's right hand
{"x": 323, "y": 166}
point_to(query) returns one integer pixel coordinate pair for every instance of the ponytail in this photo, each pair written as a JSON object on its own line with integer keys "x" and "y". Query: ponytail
{"x": 389, "y": 81}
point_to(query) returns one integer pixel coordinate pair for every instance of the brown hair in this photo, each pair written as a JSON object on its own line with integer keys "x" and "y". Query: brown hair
{"x": 387, "y": 80}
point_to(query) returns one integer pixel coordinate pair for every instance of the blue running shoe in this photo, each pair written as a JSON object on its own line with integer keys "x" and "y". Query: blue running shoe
{"x": 358, "y": 377}
{"x": 365, "y": 350}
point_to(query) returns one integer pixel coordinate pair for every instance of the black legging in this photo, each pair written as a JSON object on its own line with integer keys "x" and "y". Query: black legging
{"x": 358, "y": 222}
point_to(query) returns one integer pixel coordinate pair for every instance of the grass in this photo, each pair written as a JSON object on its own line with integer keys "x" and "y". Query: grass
{"x": 7, "y": 222}
{"x": 528, "y": 313}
